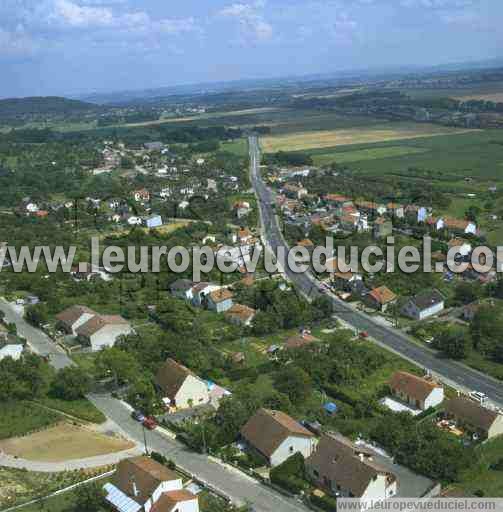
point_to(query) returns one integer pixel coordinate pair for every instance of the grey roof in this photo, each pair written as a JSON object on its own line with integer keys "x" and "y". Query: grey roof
{"x": 181, "y": 285}
{"x": 427, "y": 299}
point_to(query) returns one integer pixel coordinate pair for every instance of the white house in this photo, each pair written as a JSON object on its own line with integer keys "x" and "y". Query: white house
{"x": 73, "y": 317}
{"x": 155, "y": 221}
{"x": 463, "y": 248}
{"x": 240, "y": 314}
{"x": 344, "y": 469}
{"x": 200, "y": 291}
{"x": 415, "y": 391}
{"x": 134, "y": 221}
{"x": 102, "y": 331}
{"x": 277, "y": 436}
{"x": 14, "y": 351}
{"x": 220, "y": 300}
{"x": 180, "y": 387}
{"x": 424, "y": 305}
{"x": 141, "y": 484}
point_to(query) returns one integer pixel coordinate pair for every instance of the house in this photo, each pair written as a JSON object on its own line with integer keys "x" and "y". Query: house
{"x": 383, "y": 228}
{"x": 424, "y": 305}
{"x": 380, "y": 298}
{"x": 134, "y": 221}
{"x": 396, "y": 210}
{"x": 155, "y": 221}
{"x": 294, "y": 191}
{"x": 418, "y": 392}
{"x": 242, "y": 209}
{"x": 141, "y": 195}
{"x": 180, "y": 387}
{"x": 15, "y": 351}
{"x": 243, "y": 236}
{"x": 84, "y": 271}
{"x": 182, "y": 289}
{"x": 102, "y": 331}
{"x": 73, "y": 317}
{"x": 304, "y": 339}
{"x": 200, "y": 292}
{"x": 153, "y": 146}
{"x": 240, "y": 314}
{"x": 343, "y": 280}
{"x": 487, "y": 423}
{"x": 337, "y": 200}
{"x": 457, "y": 225}
{"x": 276, "y": 436}
{"x": 141, "y": 484}
{"x": 463, "y": 248}
{"x": 220, "y": 300}
{"x": 344, "y": 469}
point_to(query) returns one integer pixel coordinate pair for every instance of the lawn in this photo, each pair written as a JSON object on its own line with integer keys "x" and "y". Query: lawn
{"x": 82, "y": 409}
{"x": 481, "y": 477}
{"x": 237, "y": 147}
{"x": 365, "y": 154}
{"x": 305, "y": 140}
{"x": 20, "y": 418}
{"x": 19, "y": 486}
{"x": 62, "y": 442}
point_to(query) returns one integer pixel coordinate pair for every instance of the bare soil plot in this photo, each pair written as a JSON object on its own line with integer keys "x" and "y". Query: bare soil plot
{"x": 330, "y": 138}
{"x": 63, "y": 442}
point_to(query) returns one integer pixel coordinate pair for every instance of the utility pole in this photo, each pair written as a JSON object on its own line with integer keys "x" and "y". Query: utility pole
{"x": 145, "y": 439}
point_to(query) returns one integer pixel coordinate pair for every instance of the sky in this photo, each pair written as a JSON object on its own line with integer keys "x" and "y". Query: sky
{"x": 58, "y": 47}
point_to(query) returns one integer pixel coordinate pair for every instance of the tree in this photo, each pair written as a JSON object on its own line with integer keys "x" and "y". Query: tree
{"x": 71, "y": 383}
{"x": 120, "y": 364}
{"x": 486, "y": 329}
{"x": 89, "y": 498}
{"x": 466, "y": 292}
{"x": 37, "y": 315}
{"x": 454, "y": 342}
{"x": 295, "y": 383}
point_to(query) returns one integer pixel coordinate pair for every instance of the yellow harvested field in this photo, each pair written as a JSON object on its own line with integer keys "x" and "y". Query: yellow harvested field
{"x": 63, "y": 442}
{"x": 497, "y": 97}
{"x": 332, "y": 138}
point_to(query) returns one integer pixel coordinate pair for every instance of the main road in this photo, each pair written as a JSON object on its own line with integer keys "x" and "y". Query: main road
{"x": 451, "y": 372}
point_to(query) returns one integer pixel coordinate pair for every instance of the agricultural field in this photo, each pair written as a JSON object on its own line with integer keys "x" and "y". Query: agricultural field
{"x": 61, "y": 442}
{"x": 365, "y": 154}
{"x": 489, "y": 92}
{"x": 344, "y": 137}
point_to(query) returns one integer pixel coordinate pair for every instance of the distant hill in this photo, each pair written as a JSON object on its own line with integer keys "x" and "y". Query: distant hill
{"x": 39, "y": 105}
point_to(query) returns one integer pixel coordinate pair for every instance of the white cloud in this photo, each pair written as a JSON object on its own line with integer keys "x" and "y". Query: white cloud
{"x": 16, "y": 43}
{"x": 73, "y": 15}
{"x": 252, "y": 24}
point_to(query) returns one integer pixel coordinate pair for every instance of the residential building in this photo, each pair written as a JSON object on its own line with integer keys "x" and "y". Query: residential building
{"x": 294, "y": 191}
{"x": 418, "y": 392}
{"x": 380, "y": 298}
{"x": 14, "y": 351}
{"x": 424, "y": 305}
{"x": 141, "y": 484}
{"x": 200, "y": 292}
{"x": 182, "y": 289}
{"x": 344, "y": 469}
{"x": 487, "y": 423}
{"x": 220, "y": 300}
{"x": 180, "y": 387}
{"x": 73, "y": 317}
{"x": 396, "y": 210}
{"x": 141, "y": 195}
{"x": 242, "y": 209}
{"x": 276, "y": 436}
{"x": 463, "y": 247}
{"x": 304, "y": 339}
{"x": 155, "y": 221}
{"x": 343, "y": 280}
{"x": 102, "y": 331}
{"x": 240, "y": 314}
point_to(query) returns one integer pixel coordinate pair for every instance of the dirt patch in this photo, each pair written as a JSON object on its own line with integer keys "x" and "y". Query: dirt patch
{"x": 497, "y": 97}
{"x": 331, "y": 138}
{"x": 63, "y": 442}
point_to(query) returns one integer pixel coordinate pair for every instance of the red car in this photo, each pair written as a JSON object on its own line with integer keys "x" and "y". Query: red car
{"x": 364, "y": 334}
{"x": 150, "y": 423}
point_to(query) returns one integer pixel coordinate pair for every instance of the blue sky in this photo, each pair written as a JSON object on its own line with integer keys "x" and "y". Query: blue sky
{"x": 79, "y": 46}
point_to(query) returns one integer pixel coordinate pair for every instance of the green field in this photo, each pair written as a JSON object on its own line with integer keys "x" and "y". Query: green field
{"x": 477, "y": 154}
{"x": 20, "y": 418}
{"x": 366, "y": 154}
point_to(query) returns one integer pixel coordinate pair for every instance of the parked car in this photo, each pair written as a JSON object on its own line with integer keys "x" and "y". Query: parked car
{"x": 364, "y": 334}
{"x": 138, "y": 416}
{"x": 150, "y": 423}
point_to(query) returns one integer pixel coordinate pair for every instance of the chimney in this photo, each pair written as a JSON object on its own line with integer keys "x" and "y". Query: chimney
{"x": 362, "y": 458}
{"x": 136, "y": 492}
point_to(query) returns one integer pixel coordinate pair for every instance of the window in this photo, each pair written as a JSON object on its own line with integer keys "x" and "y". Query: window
{"x": 315, "y": 473}
{"x": 291, "y": 449}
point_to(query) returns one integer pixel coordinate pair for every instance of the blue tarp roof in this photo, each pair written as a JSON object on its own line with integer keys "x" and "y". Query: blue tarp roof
{"x": 330, "y": 407}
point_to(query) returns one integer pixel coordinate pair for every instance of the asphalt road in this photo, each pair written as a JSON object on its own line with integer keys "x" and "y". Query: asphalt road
{"x": 451, "y": 372}
{"x": 38, "y": 341}
{"x": 233, "y": 483}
